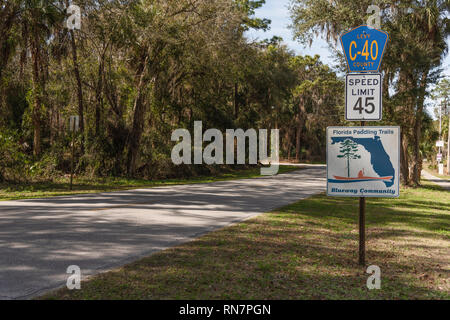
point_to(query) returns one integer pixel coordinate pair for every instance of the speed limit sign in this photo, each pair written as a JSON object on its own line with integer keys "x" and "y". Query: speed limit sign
{"x": 363, "y": 101}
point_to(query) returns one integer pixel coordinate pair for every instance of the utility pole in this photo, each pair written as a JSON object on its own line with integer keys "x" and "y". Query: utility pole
{"x": 71, "y": 160}
{"x": 440, "y": 125}
{"x": 448, "y": 137}
{"x": 439, "y": 159}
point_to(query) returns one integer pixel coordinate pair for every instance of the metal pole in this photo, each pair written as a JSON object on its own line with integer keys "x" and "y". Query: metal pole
{"x": 362, "y": 226}
{"x": 448, "y": 137}
{"x": 71, "y": 162}
{"x": 362, "y": 231}
{"x": 440, "y": 127}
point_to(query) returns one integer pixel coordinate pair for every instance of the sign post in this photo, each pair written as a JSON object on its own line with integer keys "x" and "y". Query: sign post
{"x": 73, "y": 126}
{"x": 362, "y": 225}
{"x": 362, "y": 231}
{"x": 375, "y": 150}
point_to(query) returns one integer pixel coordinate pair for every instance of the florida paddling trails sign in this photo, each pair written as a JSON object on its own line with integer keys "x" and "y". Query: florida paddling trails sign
{"x": 363, "y": 162}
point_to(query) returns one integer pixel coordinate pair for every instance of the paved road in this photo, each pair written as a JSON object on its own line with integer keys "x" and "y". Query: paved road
{"x": 40, "y": 238}
{"x": 440, "y": 182}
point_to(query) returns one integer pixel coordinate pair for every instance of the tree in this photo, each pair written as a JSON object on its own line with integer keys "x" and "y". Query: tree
{"x": 317, "y": 97}
{"x": 37, "y": 19}
{"x": 349, "y": 151}
{"x": 418, "y": 30}
{"x": 137, "y": 70}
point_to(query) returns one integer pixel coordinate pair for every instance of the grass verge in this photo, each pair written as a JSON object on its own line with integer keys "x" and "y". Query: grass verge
{"x": 61, "y": 187}
{"x": 307, "y": 250}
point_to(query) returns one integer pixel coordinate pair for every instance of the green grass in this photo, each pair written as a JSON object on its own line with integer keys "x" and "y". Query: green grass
{"x": 307, "y": 250}
{"x": 61, "y": 187}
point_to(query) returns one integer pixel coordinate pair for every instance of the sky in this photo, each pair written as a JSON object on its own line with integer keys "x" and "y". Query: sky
{"x": 278, "y": 12}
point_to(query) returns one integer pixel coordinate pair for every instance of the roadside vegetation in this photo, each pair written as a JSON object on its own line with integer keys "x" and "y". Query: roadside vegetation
{"x": 139, "y": 69}
{"x": 307, "y": 250}
{"x": 81, "y": 185}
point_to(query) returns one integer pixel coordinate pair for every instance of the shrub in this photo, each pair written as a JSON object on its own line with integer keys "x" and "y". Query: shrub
{"x": 14, "y": 163}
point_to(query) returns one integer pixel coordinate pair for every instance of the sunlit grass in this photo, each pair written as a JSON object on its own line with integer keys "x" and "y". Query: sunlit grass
{"x": 307, "y": 250}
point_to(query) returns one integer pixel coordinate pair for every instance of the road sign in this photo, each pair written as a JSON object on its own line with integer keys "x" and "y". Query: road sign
{"x": 439, "y": 157}
{"x": 363, "y": 101}
{"x": 363, "y": 161}
{"x": 74, "y": 123}
{"x": 364, "y": 48}
{"x": 440, "y": 144}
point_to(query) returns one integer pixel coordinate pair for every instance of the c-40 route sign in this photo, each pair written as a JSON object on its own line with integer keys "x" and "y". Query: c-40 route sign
{"x": 363, "y": 101}
{"x": 363, "y": 161}
{"x": 364, "y": 48}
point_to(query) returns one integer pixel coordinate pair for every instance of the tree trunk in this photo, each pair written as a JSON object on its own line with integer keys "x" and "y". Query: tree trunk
{"x": 36, "y": 114}
{"x": 405, "y": 116}
{"x": 79, "y": 87}
{"x": 236, "y": 102}
{"x": 300, "y": 123}
{"x": 99, "y": 95}
{"x": 288, "y": 142}
{"x": 404, "y": 160}
{"x": 298, "y": 139}
{"x": 138, "y": 120}
{"x": 417, "y": 159}
{"x": 348, "y": 166}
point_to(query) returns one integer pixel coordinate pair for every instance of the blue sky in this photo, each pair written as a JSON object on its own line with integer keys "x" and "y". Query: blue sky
{"x": 277, "y": 11}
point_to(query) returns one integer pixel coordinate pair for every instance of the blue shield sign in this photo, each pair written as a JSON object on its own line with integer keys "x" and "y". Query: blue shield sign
{"x": 364, "y": 48}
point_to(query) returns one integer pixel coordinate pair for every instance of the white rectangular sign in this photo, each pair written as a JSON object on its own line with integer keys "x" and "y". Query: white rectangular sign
{"x": 363, "y": 100}
{"x": 74, "y": 123}
{"x": 363, "y": 161}
{"x": 440, "y": 144}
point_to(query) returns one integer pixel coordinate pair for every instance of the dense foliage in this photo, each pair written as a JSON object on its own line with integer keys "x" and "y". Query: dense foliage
{"x": 136, "y": 71}
{"x": 418, "y": 32}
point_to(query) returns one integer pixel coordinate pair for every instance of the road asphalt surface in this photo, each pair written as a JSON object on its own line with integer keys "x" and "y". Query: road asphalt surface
{"x": 40, "y": 238}
{"x": 440, "y": 182}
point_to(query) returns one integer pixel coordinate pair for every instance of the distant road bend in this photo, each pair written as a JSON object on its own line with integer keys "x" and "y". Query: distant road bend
{"x": 40, "y": 238}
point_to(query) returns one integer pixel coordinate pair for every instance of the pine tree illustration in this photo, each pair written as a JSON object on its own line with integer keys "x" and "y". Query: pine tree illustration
{"x": 349, "y": 151}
